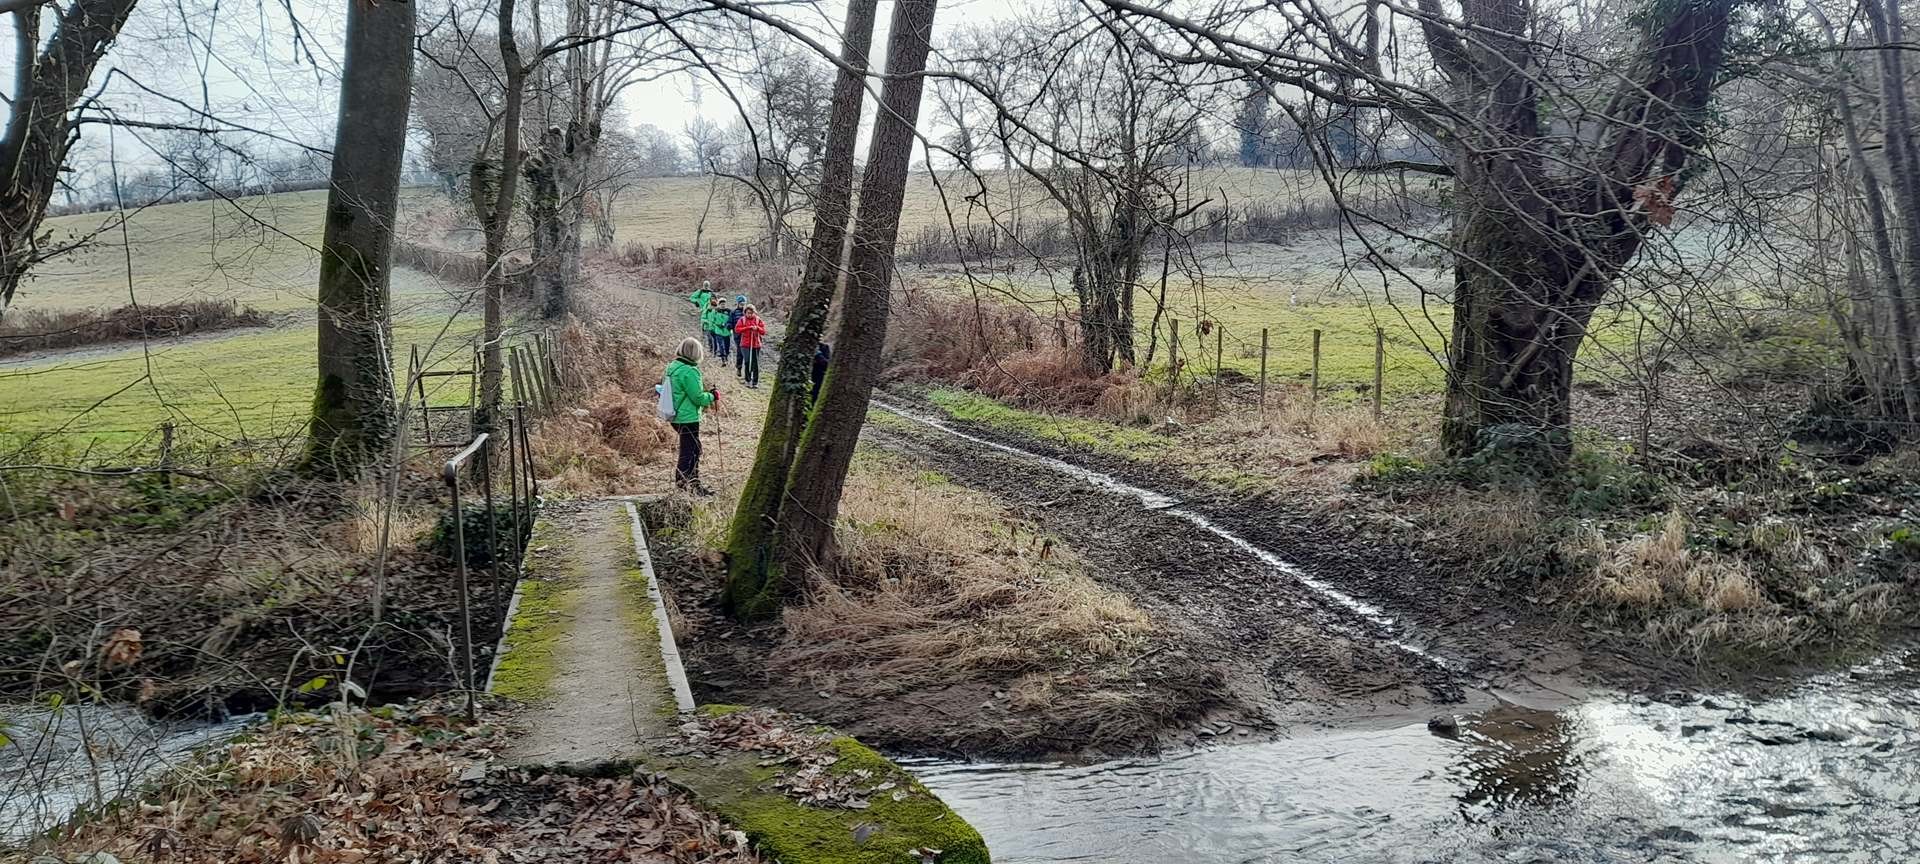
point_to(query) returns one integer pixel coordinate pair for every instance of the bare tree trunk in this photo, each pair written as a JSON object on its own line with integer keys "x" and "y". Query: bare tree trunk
{"x": 353, "y": 406}
{"x": 499, "y": 218}
{"x": 755, "y": 520}
{"x": 48, "y": 82}
{"x": 1537, "y": 254}
{"x": 1889, "y": 266}
{"x": 826, "y": 450}
{"x": 1905, "y": 178}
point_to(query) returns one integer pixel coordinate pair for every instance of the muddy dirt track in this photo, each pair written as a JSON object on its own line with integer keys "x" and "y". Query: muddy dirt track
{"x": 1321, "y": 627}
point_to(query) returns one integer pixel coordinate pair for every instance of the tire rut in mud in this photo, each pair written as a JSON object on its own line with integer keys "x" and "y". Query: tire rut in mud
{"x": 1287, "y": 652}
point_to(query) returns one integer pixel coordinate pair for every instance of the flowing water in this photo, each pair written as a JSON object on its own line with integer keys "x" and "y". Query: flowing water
{"x": 55, "y": 762}
{"x": 1829, "y": 772}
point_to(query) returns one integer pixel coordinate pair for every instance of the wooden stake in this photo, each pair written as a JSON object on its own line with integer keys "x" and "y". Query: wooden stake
{"x": 1219, "y": 357}
{"x": 1173, "y": 356}
{"x": 513, "y": 375}
{"x": 166, "y": 453}
{"x": 1263, "y": 370}
{"x": 1313, "y": 385}
{"x": 1379, "y": 367}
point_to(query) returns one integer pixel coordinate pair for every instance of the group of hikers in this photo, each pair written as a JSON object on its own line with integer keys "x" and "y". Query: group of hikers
{"x": 733, "y": 333}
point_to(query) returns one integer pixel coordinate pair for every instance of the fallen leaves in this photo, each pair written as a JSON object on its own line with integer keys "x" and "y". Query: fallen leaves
{"x": 1656, "y": 196}
{"x": 122, "y": 649}
{"x": 809, "y": 767}
{"x": 413, "y": 783}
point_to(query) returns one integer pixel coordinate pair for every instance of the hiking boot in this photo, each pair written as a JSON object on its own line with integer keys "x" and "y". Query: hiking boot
{"x": 699, "y": 490}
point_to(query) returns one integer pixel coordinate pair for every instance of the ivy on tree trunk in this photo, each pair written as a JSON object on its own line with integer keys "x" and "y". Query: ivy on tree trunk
{"x": 750, "y": 585}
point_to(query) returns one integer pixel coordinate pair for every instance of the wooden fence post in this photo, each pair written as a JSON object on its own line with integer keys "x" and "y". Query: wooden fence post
{"x": 1379, "y": 367}
{"x": 537, "y": 376}
{"x": 1173, "y": 356}
{"x": 166, "y": 453}
{"x": 1313, "y": 385}
{"x": 1263, "y": 370}
{"x": 519, "y": 378}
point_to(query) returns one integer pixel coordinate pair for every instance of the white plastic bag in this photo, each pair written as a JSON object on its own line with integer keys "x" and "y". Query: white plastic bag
{"x": 666, "y": 412}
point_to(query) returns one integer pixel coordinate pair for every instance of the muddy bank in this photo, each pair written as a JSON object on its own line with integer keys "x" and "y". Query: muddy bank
{"x": 1493, "y": 634}
{"x": 1062, "y": 703}
{"x": 204, "y": 598}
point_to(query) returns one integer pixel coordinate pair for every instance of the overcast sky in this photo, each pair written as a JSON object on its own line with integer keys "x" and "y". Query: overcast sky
{"x": 256, "y": 65}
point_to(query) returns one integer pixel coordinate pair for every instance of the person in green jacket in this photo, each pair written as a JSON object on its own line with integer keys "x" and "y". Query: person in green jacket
{"x": 702, "y": 298}
{"x": 690, "y": 397}
{"x": 719, "y": 333}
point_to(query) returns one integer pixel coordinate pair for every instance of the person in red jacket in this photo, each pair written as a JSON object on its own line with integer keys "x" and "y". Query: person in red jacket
{"x": 752, "y": 332}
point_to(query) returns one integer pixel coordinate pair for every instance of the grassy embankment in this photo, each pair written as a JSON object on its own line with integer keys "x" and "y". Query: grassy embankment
{"x": 258, "y": 252}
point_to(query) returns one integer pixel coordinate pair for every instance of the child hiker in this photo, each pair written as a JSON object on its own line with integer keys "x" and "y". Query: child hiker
{"x": 752, "y": 331}
{"x": 719, "y": 338}
{"x": 733, "y": 322}
{"x": 690, "y": 397}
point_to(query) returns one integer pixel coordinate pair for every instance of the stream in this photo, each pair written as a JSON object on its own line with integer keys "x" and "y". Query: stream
{"x": 55, "y": 762}
{"x": 1829, "y": 772}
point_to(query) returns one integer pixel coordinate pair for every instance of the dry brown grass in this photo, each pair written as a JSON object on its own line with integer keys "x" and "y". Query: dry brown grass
{"x": 613, "y": 443}
{"x": 936, "y": 584}
{"x": 1690, "y": 598}
{"x": 366, "y": 522}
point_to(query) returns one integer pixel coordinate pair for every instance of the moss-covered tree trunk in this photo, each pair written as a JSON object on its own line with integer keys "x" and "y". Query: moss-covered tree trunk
{"x": 353, "y": 405}
{"x": 819, "y": 474}
{"x": 750, "y": 536}
{"x": 1903, "y": 168}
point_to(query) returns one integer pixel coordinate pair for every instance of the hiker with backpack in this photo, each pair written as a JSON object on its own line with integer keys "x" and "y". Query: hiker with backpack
{"x": 752, "y": 332}
{"x": 822, "y": 355}
{"x": 682, "y": 396}
{"x": 733, "y": 322}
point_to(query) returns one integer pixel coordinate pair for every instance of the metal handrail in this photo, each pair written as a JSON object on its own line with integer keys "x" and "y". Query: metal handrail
{"x": 450, "y": 474}
{"x": 524, "y": 498}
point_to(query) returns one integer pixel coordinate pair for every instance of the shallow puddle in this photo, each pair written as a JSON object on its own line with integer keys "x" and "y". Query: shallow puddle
{"x": 1830, "y": 772}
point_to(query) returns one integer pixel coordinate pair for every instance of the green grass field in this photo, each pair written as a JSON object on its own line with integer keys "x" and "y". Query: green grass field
{"x": 261, "y": 251}
{"x": 249, "y": 386}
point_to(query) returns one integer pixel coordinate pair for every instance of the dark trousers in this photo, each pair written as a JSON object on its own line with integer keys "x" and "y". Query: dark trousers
{"x": 717, "y": 345}
{"x": 687, "y": 470}
{"x": 739, "y": 357}
{"x": 750, "y": 365}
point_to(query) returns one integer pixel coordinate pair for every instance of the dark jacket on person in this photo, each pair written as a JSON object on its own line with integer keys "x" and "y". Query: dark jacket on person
{"x": 821, "y": 356}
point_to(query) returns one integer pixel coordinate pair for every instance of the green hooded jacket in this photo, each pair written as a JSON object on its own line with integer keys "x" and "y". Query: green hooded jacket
{"x": 715, "y": 320}
{"x": 702, "y": 298}
{"x": 689, "y": 395}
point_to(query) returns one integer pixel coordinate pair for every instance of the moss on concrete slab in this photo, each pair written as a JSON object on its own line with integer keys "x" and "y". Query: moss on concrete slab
{"x": 734, "y": 786}
{"x": 529, "y": 656}
{"x": 886, "y": 832}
